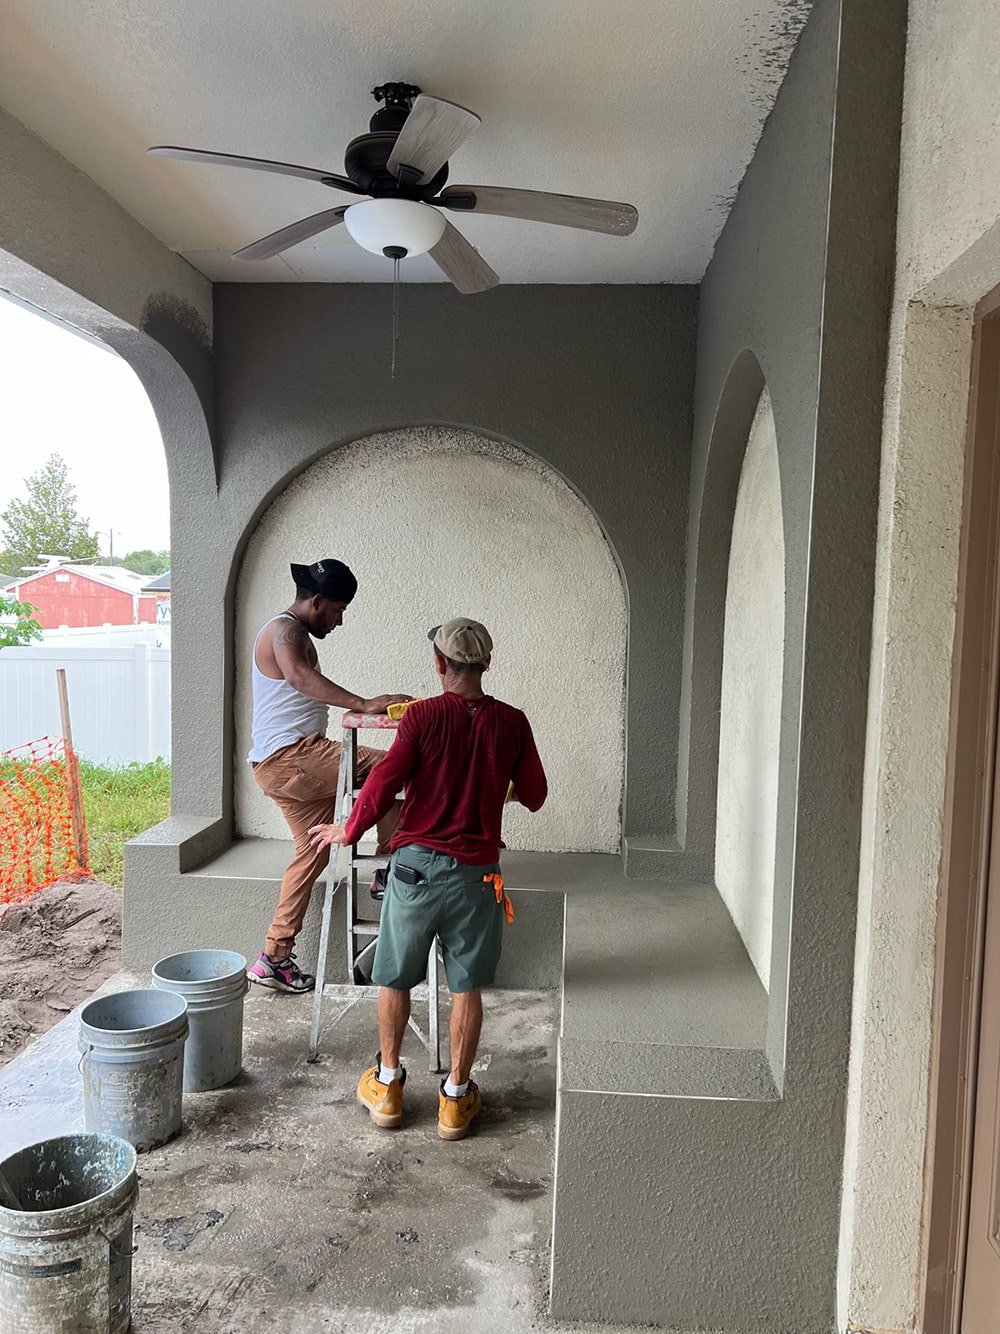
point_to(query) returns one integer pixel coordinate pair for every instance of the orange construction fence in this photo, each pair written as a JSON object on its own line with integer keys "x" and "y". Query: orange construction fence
{"x": 43, "y": 836}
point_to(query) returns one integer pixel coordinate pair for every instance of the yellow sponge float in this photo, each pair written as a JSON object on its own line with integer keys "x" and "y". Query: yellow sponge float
{"x": 396, "y": 711}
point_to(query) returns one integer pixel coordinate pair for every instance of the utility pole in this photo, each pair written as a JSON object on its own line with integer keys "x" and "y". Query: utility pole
{"x": 110, "y": 535}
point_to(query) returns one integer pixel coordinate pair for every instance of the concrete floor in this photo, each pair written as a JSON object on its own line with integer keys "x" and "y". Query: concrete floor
{"x": 281, "y": 1202}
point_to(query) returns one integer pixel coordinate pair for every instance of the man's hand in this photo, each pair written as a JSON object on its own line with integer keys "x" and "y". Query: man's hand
{"x": 379, "y": 703}
{"x": 324, "y": 835}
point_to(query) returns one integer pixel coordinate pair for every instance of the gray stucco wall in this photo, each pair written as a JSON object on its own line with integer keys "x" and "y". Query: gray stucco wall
{"x": 731, "y": 1207}
{"x": 596, "y": 381}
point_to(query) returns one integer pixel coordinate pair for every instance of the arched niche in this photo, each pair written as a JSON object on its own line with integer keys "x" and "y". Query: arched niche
{"x": 750, "y": 704}
{"x": 713, "y": 505}
{"x": 438, "y": 522}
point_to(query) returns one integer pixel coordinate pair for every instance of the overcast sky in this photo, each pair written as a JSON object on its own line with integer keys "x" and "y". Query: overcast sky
{"x": 62, "y": 393}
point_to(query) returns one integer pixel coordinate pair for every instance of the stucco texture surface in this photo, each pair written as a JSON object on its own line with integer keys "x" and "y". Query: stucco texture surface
{"x": 750, "y": 724}
{"x": 799, "y": 284}
{"x": 594, "y": 381}
{"x": 948, "y": 256}
{"x": 438, "y": 523}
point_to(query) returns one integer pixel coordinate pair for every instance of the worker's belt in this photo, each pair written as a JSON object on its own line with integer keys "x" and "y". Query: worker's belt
{"x": 496, "y": 880}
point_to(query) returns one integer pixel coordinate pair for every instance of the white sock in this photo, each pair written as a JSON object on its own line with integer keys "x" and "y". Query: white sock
{"x": 387, "y": 1073}
{"x": 455, "y": 1090}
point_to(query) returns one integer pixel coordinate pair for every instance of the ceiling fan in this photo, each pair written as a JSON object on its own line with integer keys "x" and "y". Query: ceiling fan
{"x": 402, "y": 163}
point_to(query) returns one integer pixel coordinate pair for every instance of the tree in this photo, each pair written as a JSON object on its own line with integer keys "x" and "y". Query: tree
{"x": 47, "y": 522}
{"x": 17, "y": 622}
{"x": 147, "y": 562}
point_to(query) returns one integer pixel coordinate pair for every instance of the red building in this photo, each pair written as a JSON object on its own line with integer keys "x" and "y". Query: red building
{"x": 86, "y": 595}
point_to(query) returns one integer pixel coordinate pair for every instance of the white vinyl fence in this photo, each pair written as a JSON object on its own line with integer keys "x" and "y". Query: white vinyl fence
{"x": 98, "y": 636}
{"x": 119, "y": 699}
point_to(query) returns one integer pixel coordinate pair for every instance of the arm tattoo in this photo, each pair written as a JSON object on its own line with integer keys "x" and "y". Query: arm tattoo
{"x": 291, "y": 634}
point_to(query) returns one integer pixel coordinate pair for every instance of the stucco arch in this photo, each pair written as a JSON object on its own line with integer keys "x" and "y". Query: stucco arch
{"x": 181, "y": 399}
{"x": 280, "y": 483}
{"x": 436, "y": 522}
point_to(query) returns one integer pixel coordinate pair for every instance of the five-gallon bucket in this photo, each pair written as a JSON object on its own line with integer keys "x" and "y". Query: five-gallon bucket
{"x": 66, "y": 1250}
{"x": 213, "y": 982}
{"x": 133, "y": 1065}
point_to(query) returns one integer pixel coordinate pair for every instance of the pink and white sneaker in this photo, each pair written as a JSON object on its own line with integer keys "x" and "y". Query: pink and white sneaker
{"x": 283, "y": 976}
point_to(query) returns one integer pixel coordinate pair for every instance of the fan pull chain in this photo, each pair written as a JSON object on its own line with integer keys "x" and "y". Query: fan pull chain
{"x": 395, "y": 313}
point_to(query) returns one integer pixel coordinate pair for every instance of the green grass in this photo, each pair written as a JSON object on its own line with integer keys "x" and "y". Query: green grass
{"x": 121, "y": 803}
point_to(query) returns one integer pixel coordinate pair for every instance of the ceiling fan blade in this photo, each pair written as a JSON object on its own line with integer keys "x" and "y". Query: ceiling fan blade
{"x": 431, "y": 133}
{"x": 256, "y": 164}
{"x": 286, "y": 237}
{"x": 592, "y": 215}
{"x": 462, "y": 263}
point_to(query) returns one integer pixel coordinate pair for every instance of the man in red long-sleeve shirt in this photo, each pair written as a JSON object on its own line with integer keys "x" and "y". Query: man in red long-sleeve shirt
{"x": 456, "y": 756}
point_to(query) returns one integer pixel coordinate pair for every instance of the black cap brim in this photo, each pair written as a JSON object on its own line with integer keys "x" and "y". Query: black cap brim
{"x": 303, "y": 579}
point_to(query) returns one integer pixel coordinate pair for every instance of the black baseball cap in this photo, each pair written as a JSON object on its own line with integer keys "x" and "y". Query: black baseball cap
{"x": 329, "y": 578}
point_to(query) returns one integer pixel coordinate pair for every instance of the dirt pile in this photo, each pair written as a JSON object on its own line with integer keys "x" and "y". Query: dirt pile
{"x": 55, "y": 949}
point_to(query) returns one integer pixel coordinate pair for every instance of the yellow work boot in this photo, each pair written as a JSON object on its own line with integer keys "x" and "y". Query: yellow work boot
{"x": 384, "y": 1101}
{"x": 455, "y": 1114}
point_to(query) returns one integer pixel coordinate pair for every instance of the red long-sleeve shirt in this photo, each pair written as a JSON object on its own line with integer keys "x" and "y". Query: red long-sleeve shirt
{"x": 455, "y": 758}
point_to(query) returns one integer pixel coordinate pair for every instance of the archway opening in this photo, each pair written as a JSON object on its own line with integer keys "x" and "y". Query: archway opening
{"x": 85, "y": 744}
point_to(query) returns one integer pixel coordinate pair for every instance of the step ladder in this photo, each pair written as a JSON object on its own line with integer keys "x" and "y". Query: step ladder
{"x": 348, "y": 867}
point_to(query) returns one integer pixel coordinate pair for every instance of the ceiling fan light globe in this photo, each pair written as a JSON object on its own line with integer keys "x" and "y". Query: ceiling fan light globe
{"x": 405, "y": 223}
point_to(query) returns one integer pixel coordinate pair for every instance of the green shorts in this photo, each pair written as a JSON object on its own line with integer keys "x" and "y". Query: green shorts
{"x": 451, "y": 902}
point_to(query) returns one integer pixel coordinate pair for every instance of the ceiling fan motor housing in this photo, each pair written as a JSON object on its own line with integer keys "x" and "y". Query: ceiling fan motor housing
{"x": 364, "y": 163}
{"x": 398, "y": 99}
{"x": 367, "y": 155}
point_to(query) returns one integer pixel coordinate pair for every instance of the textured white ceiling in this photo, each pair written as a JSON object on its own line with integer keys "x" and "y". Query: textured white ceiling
{"x": 656, "y": 102}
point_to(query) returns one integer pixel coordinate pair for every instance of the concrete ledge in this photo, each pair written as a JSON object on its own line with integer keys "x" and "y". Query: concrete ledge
{"x": 184, "y": 841}
{"x": 653, "y": 972}
{"x": 653, "y": 1070}
{"x": 654, "y": 859}
{"x": 658, "y": 964}
{"x": 226, "y": 903}
{"x": 229, "y": 899}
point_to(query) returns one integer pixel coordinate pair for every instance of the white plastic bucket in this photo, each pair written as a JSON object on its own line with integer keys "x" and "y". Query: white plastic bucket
{"x": 133, "y": 1065}
{"x": 66, "y": 1253}
{"x": 213, "y": 982}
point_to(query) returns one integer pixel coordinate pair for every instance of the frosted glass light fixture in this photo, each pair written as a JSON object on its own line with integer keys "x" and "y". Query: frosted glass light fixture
{"x": 396, "y": 228}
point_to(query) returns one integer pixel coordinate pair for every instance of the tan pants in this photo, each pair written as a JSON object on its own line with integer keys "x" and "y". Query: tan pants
{"x": 302, "y": 781}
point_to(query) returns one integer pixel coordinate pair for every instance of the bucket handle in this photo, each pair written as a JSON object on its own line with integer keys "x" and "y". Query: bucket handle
{"x": 111, "y": 1240}
{"x": 79, "y": 1064}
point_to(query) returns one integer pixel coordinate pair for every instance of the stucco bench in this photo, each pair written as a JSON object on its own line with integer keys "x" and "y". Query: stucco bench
{"x": 659, "y": 995}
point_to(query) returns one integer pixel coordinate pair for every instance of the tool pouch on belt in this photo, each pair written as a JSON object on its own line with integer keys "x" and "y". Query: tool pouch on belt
{"x": 496, "y": 881}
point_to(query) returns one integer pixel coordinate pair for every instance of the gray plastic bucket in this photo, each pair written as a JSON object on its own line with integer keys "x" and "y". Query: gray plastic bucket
{"x": 133, "y": 1065}
{"x": 66, "y": 1253}
{"x": 213, "y": 982}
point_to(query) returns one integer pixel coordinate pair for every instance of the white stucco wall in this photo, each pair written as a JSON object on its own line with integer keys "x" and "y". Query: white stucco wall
{"x": 438, "y": 523}
{"x": 948, "y": 257}
{"x": 750, "y": 720}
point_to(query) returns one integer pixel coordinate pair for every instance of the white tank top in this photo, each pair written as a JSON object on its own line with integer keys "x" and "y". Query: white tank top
{"x": 282, "y": 715}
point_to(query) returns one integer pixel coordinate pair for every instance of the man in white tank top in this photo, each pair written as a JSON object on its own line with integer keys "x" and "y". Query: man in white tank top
{"x": 293, "y": 762}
